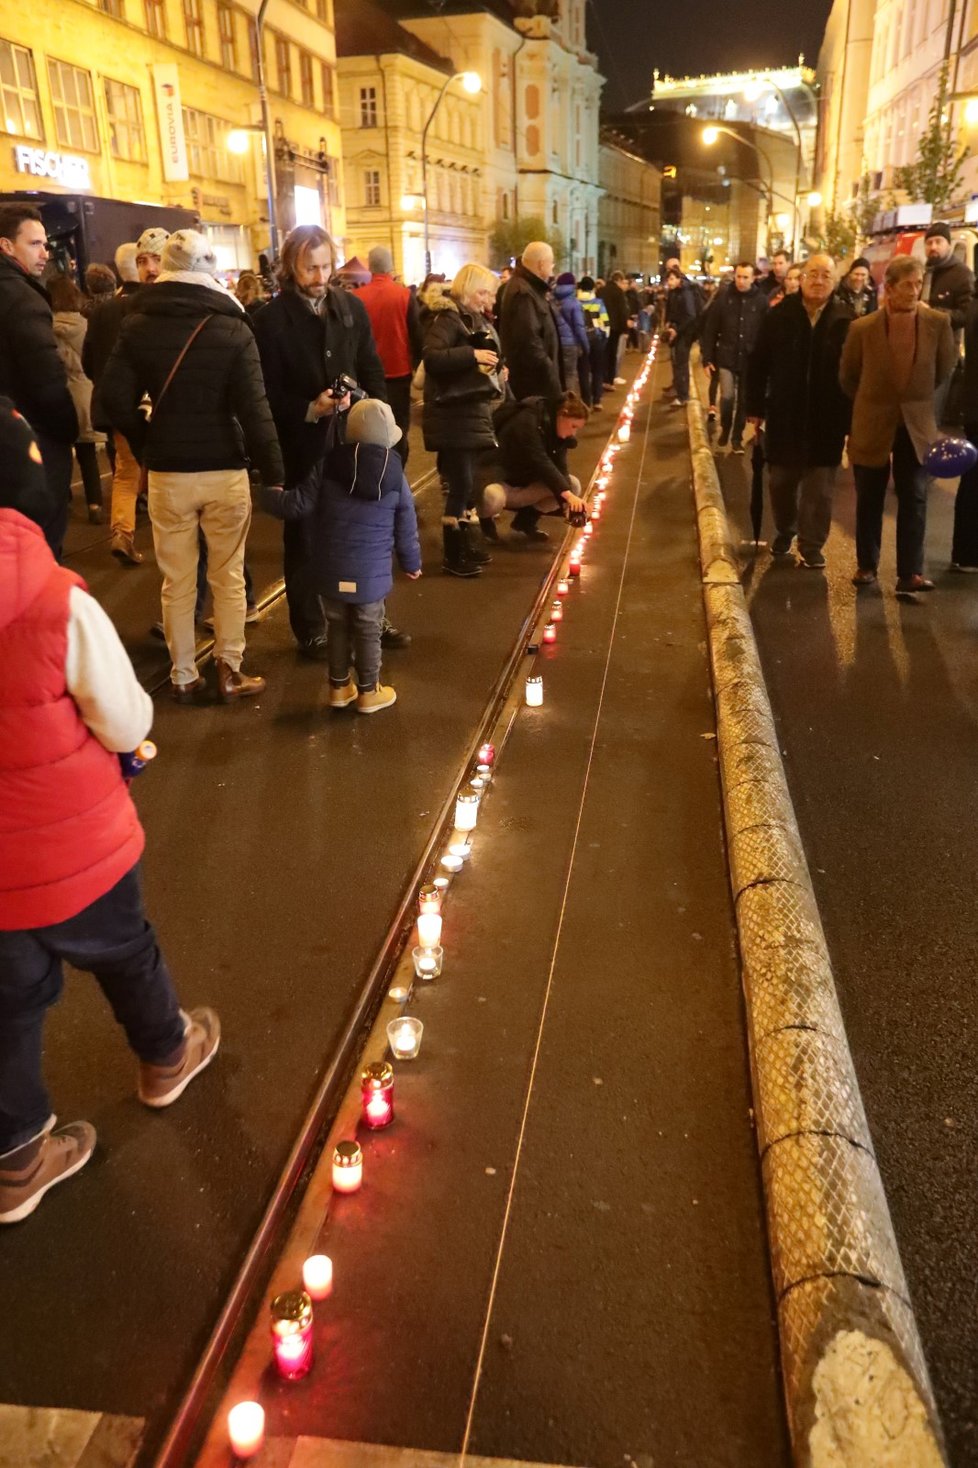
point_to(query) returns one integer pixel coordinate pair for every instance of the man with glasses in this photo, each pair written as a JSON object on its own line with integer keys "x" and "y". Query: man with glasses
{"x": 793, "y": 390}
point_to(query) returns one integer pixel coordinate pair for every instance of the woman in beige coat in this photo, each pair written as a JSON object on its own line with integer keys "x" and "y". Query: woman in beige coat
{"x": 69, "y": 329}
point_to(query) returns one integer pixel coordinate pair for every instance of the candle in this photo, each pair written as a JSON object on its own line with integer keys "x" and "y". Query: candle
{"x": 624, "y": 432}
{"x": 596, "y": 510}
{"x": 563, "y": 586}
{"x": 466, "y": 810}
{"x": 347, "y": 1167}
{"x": 550, "y": 633}
{"x": 485, "y": 771}
{"x": 429, "y": 898}
{"x": 292, "y": 1334}
{"x": 398, "y": 992}
{"x": 451, "y": 862}
{"x": 442, "y": 883}
{"x": 588, "y": 529}
{"x": 460, "y": 849}
{"x": 557, "y": 612}
{"x": 574, "y": 564}
{"x": 317, "y": 1272}
{"x": 404, "y": 1037}
{"x": 427, "y": 962}
{"x": 246, "y": 1429}
{"x": 429, "y": 929}
{"x": 534, "y": 691}
{"x": 377, "y": 1094}
{"x": 487, "y": 754}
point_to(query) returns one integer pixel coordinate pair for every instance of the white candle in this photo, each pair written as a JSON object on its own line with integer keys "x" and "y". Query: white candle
{"x": 246, "y": 1428}
{"x": 427, "y": 963}
{"x": 460, "y": 849}
{"x": 317, "y": 1276}
{"x": 534, "y": 692}
{"x": 451, "y": 862}
{"x": 398, "y": 992}
{"x": 404, "y": 1037}
{"x": 466, "y": 810}
{"x": 429, "y": 929}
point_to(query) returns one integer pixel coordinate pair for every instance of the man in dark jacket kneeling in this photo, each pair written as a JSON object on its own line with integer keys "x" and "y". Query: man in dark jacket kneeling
{"x": 793, "y": 389}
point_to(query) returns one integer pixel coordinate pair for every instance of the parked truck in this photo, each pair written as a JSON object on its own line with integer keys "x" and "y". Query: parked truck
{"x": 82, "y": 228}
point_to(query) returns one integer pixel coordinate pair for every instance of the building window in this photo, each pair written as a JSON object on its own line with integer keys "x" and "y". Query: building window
{"x": 323, "y": 12}
{"x": 156, "y": 18}
{"x": 329, "y": 96}
{"x": 371, "y": 188}
{"x": 225, "y": 30}
{"x": 283, "y": 65}
{"x": 368, "y": 106}
{"x": 253, "y": 49}
{"x": 123, "y": 107}
{"x": 306, "y": 85}
{"x": 194, "y": 21}
{"x": 18, "y": 92}
{"x": 207, "y": 151}
{"x": 113, "y": 7}
{"x": 74, "y": 106}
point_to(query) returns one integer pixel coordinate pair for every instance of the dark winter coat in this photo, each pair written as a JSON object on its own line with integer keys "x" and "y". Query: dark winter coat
{"x": 458, "y": 396}
{"x": 529, "y": 450}
{"x": 731, "y": 326}
{"x": 570, "y": 318}
{"x": 860, "y": 303}
{"x": 32, "y": 374}
{"x": 616, "y": 304}
{"x": 357, "y": 510}
{"x": 104, "y": 326}
{"x": 302, "y": 354}
{"x": 793, "y": 384}
{"x": 682, "y": 309}
{"x": 215, "y": 414}
{"x": 970, "y": 404}
{"x": 952, "y": 289}
{"x": 530, "y": 336}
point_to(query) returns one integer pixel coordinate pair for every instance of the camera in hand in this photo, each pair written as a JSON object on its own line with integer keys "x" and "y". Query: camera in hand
{"x": 344, "y": 385}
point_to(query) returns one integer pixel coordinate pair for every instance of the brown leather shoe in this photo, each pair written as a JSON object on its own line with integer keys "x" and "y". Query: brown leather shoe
{"x": 161, "y": 1085}
{"x": 123, "y": 547}
{"x": 864, "y": 577}
{"x": 187, "y": 692}
{"x": 27, "y": 1173}
{"x": 232, "y": 685}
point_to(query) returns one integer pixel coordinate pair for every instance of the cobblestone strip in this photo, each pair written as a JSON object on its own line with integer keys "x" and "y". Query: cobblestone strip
{"x": 856, "y": 1384}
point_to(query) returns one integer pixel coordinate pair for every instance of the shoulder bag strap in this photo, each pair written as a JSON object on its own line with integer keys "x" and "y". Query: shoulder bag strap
{"x": 173, "y": 370}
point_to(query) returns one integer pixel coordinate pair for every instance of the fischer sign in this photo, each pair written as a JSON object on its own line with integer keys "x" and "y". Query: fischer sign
{"x": 64, "y": 168}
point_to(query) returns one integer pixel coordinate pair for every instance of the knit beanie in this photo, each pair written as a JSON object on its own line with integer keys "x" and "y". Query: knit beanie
{"x": 861, "y": 263}
{"x": 151, "y": 242}
{"x": 371, "y": 421}
{"x": 942, "y": 229}
{"x": 188, "y": 250}
{"x": 23, "y": 485}
{"x": 125, "y": 261}
{"x": 567, "y": 278}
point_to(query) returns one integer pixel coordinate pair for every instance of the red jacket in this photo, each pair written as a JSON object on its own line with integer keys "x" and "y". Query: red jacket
{"x": 388, "y": 304}
{"x": 68, "y": 829}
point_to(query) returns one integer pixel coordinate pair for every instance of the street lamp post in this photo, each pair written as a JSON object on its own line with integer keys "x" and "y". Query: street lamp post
{"x": 472, "y": 83}
{"x": 710, "y": 135}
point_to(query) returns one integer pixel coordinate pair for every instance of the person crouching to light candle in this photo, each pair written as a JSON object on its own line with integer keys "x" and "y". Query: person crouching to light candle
{"x": 528, "y": 471}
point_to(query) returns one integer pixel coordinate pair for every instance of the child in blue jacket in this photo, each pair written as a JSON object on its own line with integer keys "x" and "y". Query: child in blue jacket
{"x": 358, "y": 510}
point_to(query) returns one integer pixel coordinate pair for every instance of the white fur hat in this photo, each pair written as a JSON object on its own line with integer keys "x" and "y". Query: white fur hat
{"x": 186, "y": 249}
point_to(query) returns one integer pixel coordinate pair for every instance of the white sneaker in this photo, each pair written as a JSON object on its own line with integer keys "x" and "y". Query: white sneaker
{"x": 620, "y": 382}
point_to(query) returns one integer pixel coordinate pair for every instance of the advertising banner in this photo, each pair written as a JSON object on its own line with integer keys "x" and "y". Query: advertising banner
{"x": 166, "y": 85}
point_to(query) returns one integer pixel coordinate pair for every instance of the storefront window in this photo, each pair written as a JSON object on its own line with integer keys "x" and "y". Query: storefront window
{"x": 18, "y": 92}
{"x": 124, "y": 110}
{"x": 74, "y": 106}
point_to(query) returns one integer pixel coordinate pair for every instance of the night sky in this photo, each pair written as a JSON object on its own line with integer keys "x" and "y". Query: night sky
{"x": 687, "y": 37}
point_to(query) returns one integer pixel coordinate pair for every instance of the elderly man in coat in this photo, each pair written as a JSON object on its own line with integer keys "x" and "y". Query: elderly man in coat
{"x": 892, "y": 364}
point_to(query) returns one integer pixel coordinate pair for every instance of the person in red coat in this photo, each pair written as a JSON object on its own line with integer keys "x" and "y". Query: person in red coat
{"x": 70, "y": 842}
{"x": 394, "y": 320}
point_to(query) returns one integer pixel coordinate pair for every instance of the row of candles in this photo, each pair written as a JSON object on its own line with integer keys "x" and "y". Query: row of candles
{"x": 292, "y": 1317}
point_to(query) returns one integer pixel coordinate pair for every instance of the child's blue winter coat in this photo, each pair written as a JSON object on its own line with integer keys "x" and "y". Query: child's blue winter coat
{"x": 358, "y": 510}
{"x": 570, "y": 318}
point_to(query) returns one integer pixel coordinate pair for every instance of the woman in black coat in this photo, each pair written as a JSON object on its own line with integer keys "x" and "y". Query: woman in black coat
{"x": 462, "y": 386}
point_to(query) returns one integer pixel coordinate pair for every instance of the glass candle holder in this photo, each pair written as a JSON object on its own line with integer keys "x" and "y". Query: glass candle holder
{"x": 557, "y": 612}
{"x": 624, "y": 432}
{"x": 487, "y": 754}
{"x": 429, "y": 898}
{"x": 589, "y": 529}
{"x": 292, "y": 1334}
{"x": 246, "y": 1429}
{"x": 485, "y": 771}
{"x": 404, "y": 1037}
{"x": 466, "y": 810}
{"x": 478, "y": 783}
{"x": 534, "y": 691}
{"x": 595, "y": 512}
{"x": 347, "y": 1167}
{"x": 429, "y": 929}
{"x": 377, "y": 1094}
{"x": 563, "y": 586}
{"x": 550, "y": 633}
{"x": 427, "y": 962}
{"x": 317, "y": 1276}
{"x": 574, "y": 564}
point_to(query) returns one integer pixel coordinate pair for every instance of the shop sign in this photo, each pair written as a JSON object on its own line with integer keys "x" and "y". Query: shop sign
{"x": 63, "y": 168}
{"x": 173, "y": 145}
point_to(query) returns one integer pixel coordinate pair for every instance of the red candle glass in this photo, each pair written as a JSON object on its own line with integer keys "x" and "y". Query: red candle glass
{"x": 550, "y": 633}
{"x": 292, "y": 1334}
{"x": 557, "y": 612}
{"x": 486, "y": 755}
{"x": 563, "y": 587}
{"x": 377, "y": 1094}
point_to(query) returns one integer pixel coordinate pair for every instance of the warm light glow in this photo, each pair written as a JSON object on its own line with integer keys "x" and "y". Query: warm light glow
{"x": 292, "y": 1334}
{"x": 563, "y": 587}
{"x": 246, "y": 1429}
{"x": 752, "y": 91}
{"x": 428, "y": 961}
{"x": 624, "y": 432}
{"x": 238, "y": 140}
{"x": 466, "y": 810}
{"x": 347, "y": 1167}
{"x": 550, "y": 633}
{"x": 404, "y": 1037}
{"x": 486, "y": 755}
{"x": 472, "y": 82}
{"x": 377, "y": 1094}
{"x": 411, "y": 201}
{"x": 971, "y": 111}
{"x": 557, "y": 612}
{"x": 534, "y": 691}
{"x": 589, "y": 529}
{"x": 317, "y": 1272}
{"x": 461, "y": 849}
{"x": 429, "y": 929}
{"x": 451, "y": 862}
{"x": 710, "y": 135}
{"x": 814, "y": 199}
{"x": 429, "y": 898}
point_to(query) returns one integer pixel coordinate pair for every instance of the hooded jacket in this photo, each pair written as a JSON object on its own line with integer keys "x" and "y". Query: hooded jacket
{"x": 32, "y": 374}
{"x": 357, "y": 510}
{"x": 458, "y": 395}
{"x": 215, "y": 414}
{"x": 68, "y": 829}
{"x": 570, "y": 318}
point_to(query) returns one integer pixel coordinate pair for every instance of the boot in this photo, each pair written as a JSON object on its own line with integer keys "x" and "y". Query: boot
{"x": 123, "y": 547}
{"x": 232, "y": 684}
{"x": 489, "y": 529}
{"x": 525, "y": 522}
{"x": 29, "y": 1171}
{"x": 472, "y": 537}
{"x": 457, "y": 561}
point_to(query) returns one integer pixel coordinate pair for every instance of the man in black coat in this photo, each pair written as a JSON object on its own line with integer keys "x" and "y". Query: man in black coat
{"x": 528, "y": 327}
{"x": 793, "y": 389}
{"x": 32, "y": 374}
{"x": 730, "y": 330}
{"x": 308, "y": 336}
{"x": 949, "y": 286}
{"x": 616, "y": 305}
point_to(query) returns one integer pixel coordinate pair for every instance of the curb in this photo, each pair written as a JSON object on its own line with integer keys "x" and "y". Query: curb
{"x": 857, "y": 1390}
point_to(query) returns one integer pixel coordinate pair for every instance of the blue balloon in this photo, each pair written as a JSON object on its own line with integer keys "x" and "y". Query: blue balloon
{"x": 949, "y": 457}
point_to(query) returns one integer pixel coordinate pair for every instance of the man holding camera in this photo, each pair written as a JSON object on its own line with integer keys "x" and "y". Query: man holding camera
{"x": 309, "y": 337}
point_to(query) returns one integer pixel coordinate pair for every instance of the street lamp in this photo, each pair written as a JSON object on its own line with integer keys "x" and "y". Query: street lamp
{"x": 711, "y": 134}
{"x": 472, "y": 83}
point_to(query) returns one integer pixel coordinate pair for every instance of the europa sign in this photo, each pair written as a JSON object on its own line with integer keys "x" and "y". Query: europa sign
{"x": 64, "y": 168}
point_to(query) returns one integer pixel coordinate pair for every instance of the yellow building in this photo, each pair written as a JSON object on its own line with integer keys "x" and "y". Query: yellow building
{"x": 134, "y": 100}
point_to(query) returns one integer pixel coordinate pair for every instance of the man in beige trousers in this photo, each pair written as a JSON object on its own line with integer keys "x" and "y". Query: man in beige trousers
{"x": 892, "y": 364}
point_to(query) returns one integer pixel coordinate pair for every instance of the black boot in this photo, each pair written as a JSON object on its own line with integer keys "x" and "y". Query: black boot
{"x": 525, "y": 522}
{"x": 456, "y": 561}
{"x": 489, "y": 528}
{"x": 474, "y": 546}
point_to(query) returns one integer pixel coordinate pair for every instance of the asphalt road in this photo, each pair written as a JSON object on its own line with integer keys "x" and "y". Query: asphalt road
{"x": 877, "y": 703}
{"x": 279, "y": 838}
